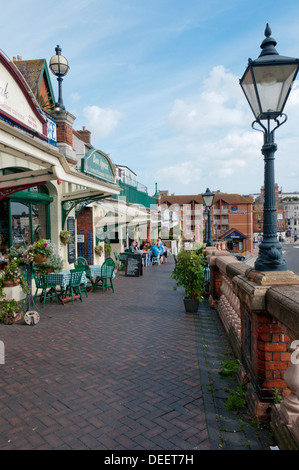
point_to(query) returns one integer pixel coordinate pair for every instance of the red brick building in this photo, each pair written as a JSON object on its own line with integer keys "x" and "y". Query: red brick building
{"x": 231, "y": 217}
{"x": 258, "y": 213}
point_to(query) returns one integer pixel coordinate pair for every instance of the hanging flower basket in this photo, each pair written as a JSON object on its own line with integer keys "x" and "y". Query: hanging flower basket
{"x": 65, "y": 236}
{"x": 40, "y": 258}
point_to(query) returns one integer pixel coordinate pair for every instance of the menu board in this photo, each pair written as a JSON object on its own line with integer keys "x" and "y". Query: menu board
{"x": 133, "y": 265}
{"x": 71, "y": 251}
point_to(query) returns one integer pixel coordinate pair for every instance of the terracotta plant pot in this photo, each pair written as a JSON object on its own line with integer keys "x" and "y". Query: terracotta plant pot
{"x": 9, "y": 318}
{"x": 49, "y": 270}
{"x": 64, "y": 240}
{"x": 40, "y": 259}
{"x": 10, "y": 282}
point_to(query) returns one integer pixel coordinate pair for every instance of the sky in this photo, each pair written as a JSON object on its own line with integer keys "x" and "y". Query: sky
{"x": 157, "y": 84}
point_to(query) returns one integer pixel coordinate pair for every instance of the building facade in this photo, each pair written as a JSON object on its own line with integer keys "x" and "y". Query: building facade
{"x": 43, "y": 186}
{"x": 258, "y": 214}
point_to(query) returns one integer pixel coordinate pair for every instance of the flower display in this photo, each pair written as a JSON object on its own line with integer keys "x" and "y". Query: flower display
{"x": 40, "y": 247}
{"x": 8, "y": 311}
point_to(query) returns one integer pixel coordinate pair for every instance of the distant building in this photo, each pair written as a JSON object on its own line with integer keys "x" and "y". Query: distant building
{"x": 258, "y": 213}
{"x": 231, "y": 218}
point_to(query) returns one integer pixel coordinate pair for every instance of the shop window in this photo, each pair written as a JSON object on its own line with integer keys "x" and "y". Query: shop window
{"x": 4, "y": 227}
{"x": 20, "y": 224}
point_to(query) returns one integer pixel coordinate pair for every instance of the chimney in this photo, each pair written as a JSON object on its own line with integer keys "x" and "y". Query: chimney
{"x": 85, "y": 134}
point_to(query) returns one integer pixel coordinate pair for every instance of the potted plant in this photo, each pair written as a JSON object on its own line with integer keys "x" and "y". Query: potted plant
{"x": 13, "y": 276}
{"x": 107, "y": 247}
{"x": 8, "y": 311}
{"x": 54, "y": 264}
{"x": 189, "y": 274}
{"x": 39, "y": 252}
{"x": 98, "y": 249}
{"x": 65, "y": 236}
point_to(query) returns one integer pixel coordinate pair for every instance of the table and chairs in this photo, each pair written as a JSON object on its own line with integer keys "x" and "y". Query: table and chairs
{"x": 70, "y": 284}
{"x": 63, "y": 286}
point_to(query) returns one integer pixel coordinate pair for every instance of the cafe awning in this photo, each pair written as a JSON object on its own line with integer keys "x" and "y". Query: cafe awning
{"x": 51, "y": 165}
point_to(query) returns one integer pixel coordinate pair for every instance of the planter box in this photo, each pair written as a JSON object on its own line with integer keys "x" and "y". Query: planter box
{"x": 191, "y": 305}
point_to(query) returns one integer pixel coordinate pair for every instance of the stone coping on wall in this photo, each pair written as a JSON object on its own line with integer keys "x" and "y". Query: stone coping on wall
{"x": 283, "y": 304}
{"x": 275, "y": 291}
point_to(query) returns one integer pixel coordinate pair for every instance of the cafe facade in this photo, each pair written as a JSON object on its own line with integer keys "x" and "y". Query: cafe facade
{"x": 43, "y": 183}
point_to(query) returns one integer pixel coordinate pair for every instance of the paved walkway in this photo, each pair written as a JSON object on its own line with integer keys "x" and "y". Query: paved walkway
{"x": 123, "y": 371}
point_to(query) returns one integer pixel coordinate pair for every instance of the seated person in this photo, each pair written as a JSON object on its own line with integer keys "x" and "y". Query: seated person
{"x": 160, "y": 245}
{"x": 133, "y": 247}
{"x": 154, "y": 252}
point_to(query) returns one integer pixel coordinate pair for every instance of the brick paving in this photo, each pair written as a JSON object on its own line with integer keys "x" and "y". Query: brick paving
{"x": 123, "y": 371}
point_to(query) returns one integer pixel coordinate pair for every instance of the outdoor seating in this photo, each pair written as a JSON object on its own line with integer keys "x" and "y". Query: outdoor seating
{"x": 49, "y": 290}
{"x": 122, "y": 259}
{"x": 86, "y": 269}
{"x": 74, "y": 286}
{"x": 109, "y": 262}
{"x": 106, "y": 275}
{"x": 80, "y": 261}
{"x": 155, "y": 260}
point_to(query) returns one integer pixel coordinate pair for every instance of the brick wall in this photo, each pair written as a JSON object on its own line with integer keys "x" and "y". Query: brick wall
{"x": 84, "y": 219}
{"x": 265, "y": 353}
{"x": 64, "y": 133}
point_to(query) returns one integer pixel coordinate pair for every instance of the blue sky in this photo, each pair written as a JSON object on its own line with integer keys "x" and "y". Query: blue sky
{"x": 157, "y": 84}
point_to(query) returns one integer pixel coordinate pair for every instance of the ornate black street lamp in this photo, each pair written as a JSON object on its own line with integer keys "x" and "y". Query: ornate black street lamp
{"x": 208, "y": 198}
{"x": 205, "y": 218}
{"x": 266, "y": 83}
{"x": 59, "y": 66}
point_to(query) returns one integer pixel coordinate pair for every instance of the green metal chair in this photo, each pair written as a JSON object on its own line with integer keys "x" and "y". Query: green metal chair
{"x": 109, "y": 262}
{"x": 122, "y": 259}
{"x": 74, "y": 286}
{"x": 39, "y": 285}
{"x": 106, "y": 275}
{"x": 87, "y": 271}
{"x": 80, "y": 261}
{"x": 49, "y": 290}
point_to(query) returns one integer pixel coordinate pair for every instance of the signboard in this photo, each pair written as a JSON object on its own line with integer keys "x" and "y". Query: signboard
{"x": 71, "y": 252}
{"x": 15, "y": 101}
{"x": 96, "y": 163}
{"x": 234, "y": 234}
{"x": 133, "y": 265}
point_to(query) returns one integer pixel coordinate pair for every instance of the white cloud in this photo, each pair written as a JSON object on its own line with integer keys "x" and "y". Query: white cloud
{"x": 101, "y": 121}
{"x": 219, "y": 105}
{"x": 75, "y": 96}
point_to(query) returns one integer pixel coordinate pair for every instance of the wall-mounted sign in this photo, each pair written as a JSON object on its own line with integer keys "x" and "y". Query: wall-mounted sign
{"x": 234, "y": 210}
{"x": 96, "y": 163}
{"x": 15, "y": 102}
{"x": 51, "y": 127}
{"x": 234, "y": 234}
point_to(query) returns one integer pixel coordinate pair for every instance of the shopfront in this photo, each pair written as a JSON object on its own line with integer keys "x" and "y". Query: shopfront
{"x": 40, "y": 189}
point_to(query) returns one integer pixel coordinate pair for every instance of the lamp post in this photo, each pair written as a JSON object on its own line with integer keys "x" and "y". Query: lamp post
{"x": 266, "y": 83}
{"x": 205, "y": 218}
{"x": 208, "y": 198}
{"x": 59, "y": 66}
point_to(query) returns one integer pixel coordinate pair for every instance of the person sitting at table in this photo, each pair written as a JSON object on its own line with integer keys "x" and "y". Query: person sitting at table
{"x": 154, "y": 252}
{"x": 143, "y": 245}
{"x": 160, "y": 245}
{"x": 133, "y": 247}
